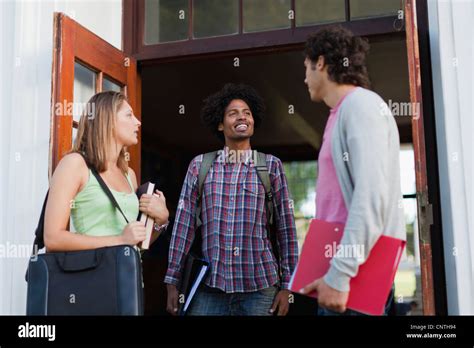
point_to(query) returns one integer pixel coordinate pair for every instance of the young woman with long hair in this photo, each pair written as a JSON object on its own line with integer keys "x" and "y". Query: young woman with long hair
{"x": 104, "y": 133}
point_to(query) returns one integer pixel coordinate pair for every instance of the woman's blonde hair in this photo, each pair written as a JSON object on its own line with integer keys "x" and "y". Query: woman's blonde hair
{"x": 96, "y": 130}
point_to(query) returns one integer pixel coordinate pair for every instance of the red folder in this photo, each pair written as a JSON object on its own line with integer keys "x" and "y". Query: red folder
{"x": 370, "y": 287}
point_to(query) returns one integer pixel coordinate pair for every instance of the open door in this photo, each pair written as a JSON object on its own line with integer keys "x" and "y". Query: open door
{"x": 425, "y": 208}
{"x": 84, "y": 64}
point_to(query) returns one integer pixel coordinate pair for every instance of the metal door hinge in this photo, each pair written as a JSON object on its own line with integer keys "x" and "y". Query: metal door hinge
{"x": 425, "y": 216}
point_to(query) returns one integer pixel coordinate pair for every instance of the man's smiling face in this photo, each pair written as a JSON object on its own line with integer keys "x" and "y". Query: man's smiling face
{"x": 238, "y": 122}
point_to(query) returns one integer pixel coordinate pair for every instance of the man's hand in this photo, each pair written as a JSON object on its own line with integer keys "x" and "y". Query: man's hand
{"x": 328, "y": 297}
{"x": 172, "y": 304}
{"x": 282, "y": 302}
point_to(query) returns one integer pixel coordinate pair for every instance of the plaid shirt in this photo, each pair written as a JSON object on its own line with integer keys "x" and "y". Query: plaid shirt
{"x": 234, "y": 233}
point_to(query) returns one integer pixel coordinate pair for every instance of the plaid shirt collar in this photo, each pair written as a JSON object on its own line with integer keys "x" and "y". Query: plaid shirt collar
{"x": 228, "y": 156}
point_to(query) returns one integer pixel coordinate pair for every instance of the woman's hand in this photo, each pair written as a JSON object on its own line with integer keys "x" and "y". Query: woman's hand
{"x": 133, "y": 233}
{"x": 155, "y": 206}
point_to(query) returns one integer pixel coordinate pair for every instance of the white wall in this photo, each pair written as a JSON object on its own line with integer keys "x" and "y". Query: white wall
{"x": 451, "y": 40}
{"x": 26, "y": 43}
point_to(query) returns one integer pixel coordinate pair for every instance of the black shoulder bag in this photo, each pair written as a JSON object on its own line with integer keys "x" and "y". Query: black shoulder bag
{"x": 103, "y": 281}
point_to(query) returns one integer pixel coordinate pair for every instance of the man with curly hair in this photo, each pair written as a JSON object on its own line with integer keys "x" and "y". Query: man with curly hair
{"x": 359, "y": 167}
{"x": 247, "y": 276}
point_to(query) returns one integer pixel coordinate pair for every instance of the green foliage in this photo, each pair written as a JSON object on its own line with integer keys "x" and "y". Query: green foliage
{"x": 301, "y": 178}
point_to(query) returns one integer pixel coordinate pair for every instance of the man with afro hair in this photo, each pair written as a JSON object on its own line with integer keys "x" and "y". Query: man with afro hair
{"x": 246, "y": 276}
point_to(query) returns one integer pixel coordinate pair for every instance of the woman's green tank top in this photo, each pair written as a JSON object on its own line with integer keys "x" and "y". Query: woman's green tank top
{"x": 93, "y": 213}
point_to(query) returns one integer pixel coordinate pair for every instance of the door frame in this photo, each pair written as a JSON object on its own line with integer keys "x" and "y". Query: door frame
{"x": 423, "y": 128}
{"x": 426, "y": 160}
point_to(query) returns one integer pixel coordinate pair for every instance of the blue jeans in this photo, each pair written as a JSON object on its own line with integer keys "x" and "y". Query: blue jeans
{"x": 209, "y": 301}
{"x": 349, "y": 312}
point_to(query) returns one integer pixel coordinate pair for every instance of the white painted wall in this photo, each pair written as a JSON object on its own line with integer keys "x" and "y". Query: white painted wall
{"x": 451, "y": 40}
{"x": 26, "y": 44}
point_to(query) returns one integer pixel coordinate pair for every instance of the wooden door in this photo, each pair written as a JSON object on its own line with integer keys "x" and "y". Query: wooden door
{"x": 84, "y": 64}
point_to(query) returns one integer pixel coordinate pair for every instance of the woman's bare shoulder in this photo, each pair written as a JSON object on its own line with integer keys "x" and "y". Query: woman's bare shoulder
{"x": 73, "y": 168}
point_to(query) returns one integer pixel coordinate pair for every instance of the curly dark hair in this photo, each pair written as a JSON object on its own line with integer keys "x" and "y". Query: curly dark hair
{"x": 344, "y": 54}
{"x": 212, "y": 113}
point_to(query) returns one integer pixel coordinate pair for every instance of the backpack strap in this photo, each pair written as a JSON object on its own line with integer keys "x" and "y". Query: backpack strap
{"x": 263, "y": 174}
{"x": 207, "y": 160}
{"x": 39, "y": 233}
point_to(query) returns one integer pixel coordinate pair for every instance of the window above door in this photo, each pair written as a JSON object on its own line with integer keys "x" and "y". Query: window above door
{"x": 155, "y": 29}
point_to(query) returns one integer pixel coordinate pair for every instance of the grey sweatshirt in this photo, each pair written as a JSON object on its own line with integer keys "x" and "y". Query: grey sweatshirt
{"x": 366, "y": 154}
